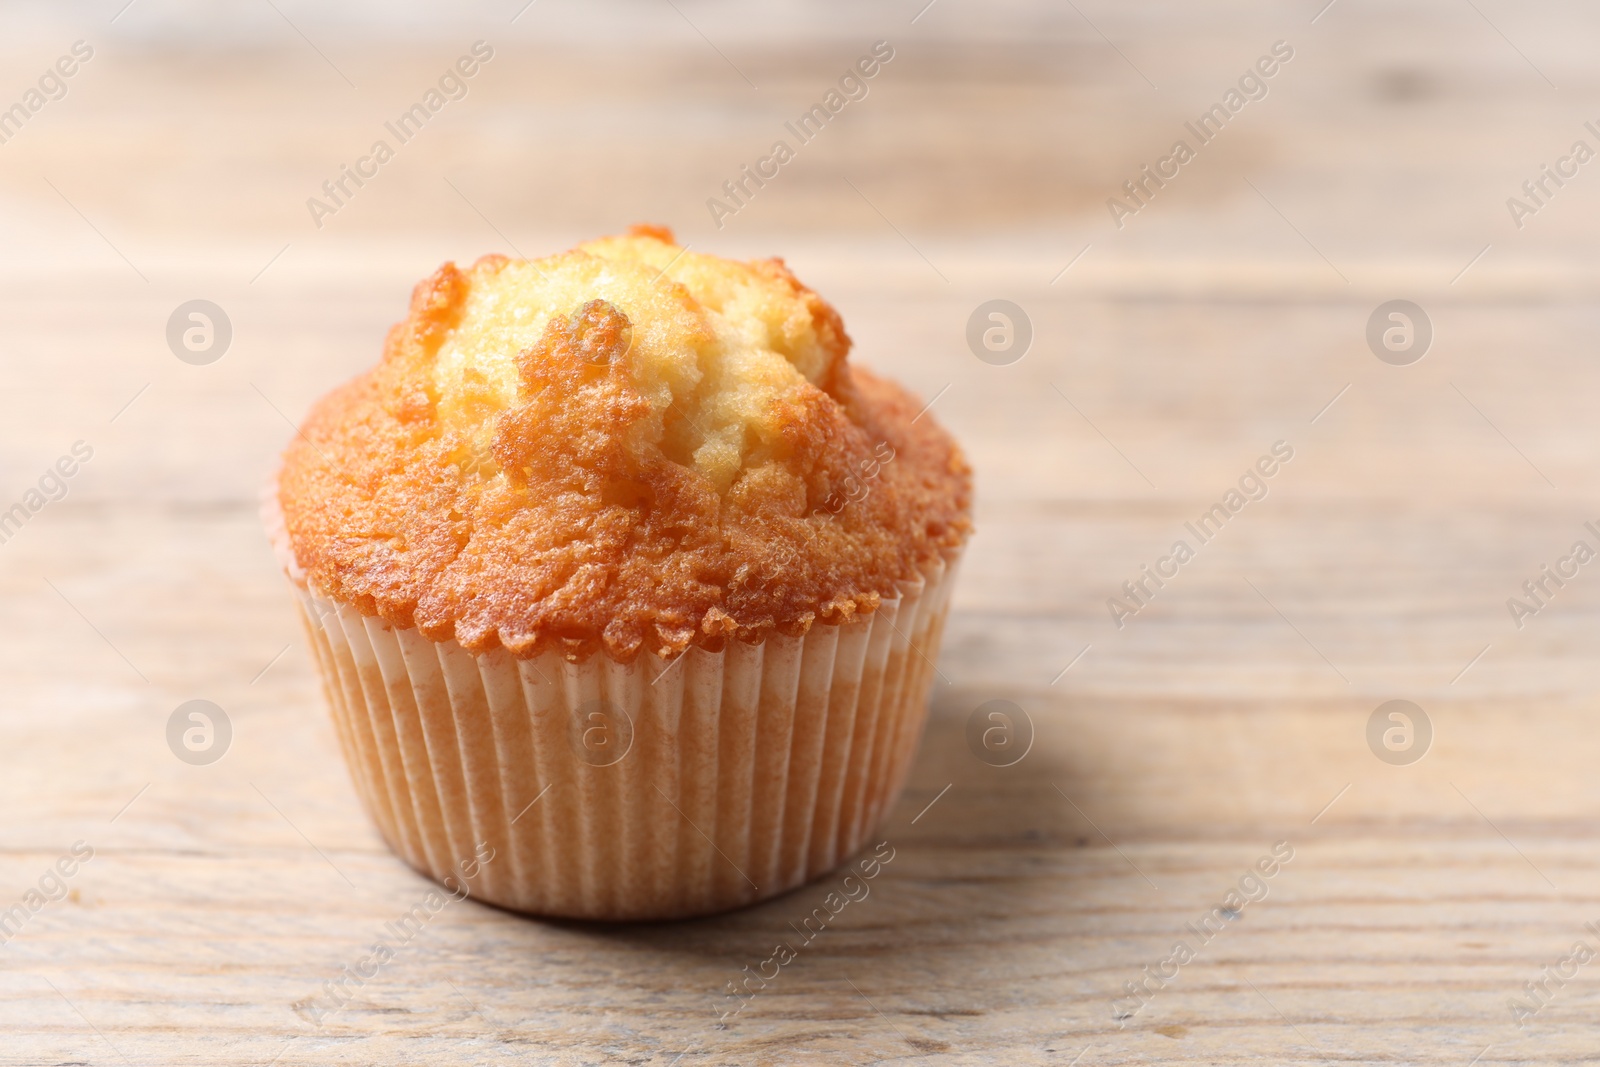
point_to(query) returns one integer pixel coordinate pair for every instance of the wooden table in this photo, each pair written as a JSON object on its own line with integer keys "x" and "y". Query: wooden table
{"x": 1170, "y": 755}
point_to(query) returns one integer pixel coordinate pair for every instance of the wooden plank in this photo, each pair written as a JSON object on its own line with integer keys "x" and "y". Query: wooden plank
{"x": 1170, "y": 754}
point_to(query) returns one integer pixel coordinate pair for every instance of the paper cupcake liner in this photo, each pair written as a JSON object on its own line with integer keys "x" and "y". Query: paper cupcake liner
{"x": 645, "y": 790}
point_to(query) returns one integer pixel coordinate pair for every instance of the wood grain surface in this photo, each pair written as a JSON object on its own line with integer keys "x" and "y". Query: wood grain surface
{"x": 1168, "y": 756}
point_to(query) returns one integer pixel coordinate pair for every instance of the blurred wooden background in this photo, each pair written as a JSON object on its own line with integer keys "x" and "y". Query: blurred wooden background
{"x": 1227, "y": 716}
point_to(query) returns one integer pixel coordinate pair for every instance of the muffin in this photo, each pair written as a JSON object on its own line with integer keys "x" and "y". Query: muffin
{"x": 625, "y": 585}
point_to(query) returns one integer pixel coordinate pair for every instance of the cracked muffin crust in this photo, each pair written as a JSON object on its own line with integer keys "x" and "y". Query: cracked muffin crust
{"x": 629, "y": 446}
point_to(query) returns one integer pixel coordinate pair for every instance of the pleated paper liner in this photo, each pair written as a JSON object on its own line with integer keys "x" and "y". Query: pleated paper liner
{"x": 647, "y": 790}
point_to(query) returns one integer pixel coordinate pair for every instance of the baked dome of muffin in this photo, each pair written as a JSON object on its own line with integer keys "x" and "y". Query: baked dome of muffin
{"x": 629, "y": 446}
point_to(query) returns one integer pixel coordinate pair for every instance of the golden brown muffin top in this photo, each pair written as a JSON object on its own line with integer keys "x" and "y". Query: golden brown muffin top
{"x": 628, "y": 446}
